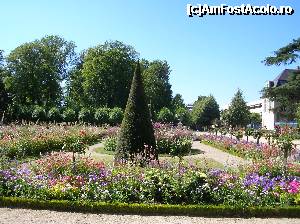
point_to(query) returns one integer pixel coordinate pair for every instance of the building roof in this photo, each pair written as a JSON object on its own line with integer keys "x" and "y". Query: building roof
{"x": 283, "y": 76}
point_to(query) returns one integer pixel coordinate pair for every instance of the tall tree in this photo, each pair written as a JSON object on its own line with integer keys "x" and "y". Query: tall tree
{"x": 157, "y": 85}
{"x": 74, "y": 86}
{"x": 136, "y": 135}
{"x": 287, "y": 95}
{"x": 37, "y": 69}
{"x": 205, "y": 111}
{"x": 286, "y": 55}
{"x": 3, "y": 92}
{"x": 238, "y": 113}
{"x": 177, "y": 101}
{"x": 107, "y": 72}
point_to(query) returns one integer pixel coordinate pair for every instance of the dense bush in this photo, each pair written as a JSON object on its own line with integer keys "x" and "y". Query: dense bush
{"x": 183, "y": 116}
{"x": 86, "y": 115}
{"x": 102, "y": 115}
{"x": 54, "y": 114}
{"x": 115, "y": 116}
{"x": 39, "y": 113}
{"x": 165, "y": 115}
{"x": 69, "y": 115}
{"x": 110, "y": 143}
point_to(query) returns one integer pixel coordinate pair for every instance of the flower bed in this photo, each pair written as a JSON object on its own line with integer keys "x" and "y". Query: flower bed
{"x": 242, "y": 148}
{"x": 56, "y": 177}
{"x": 24, "y": 141}
{"x": 172, "y": 140}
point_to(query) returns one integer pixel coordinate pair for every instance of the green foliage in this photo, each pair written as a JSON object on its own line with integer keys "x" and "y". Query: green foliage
{"x": 285, "y": 55}
{"x": 157, "y": 86}
{"x": 86, "y": 115}
{"x": 205, "y": 111}
{"x": 36, "y": 70}
{"x": 74, "y": 94}
{"x": 136, "y": 129}
{"x": 146, "y": 209}
{"x": 151, "y": 209}
{"x": 286, "y": 95}
{"x": 177, "y": 101}
{"x": 298, "y": 115}
{"x": 107, "y": 72}
{"x": 116, "y": 116}
{"x": 165, "y": 115}
{"x": 39, "y": 113}
{"x": 110, "y": 143}
{"x": 69, "y": 115}
{"x": 54, "y": 114}
{"x": 4, "y": 100}
{"x": 255, "y": 118}
{"x": 238, "y": 114}
{"x": 102, "y": 115}
{"x": 183, "y": 116}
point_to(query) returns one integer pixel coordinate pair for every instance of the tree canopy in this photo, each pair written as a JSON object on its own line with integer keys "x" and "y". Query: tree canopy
{"x": 107, "y": 72}
{"x": 205, "y": 111}
{"x": 287, "y": 95}
{"x": 157, "y": 86}
{"x": 238, "y": 113}
{"x": 286, "y": 55}
{"x": 36, "y": 70}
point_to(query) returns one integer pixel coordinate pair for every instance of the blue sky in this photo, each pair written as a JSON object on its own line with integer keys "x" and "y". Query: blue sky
{"x": 209, "y": 55}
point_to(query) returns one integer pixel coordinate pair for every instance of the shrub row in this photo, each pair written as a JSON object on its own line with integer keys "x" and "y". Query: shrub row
{"x": 147, "y": 209}
{"x": 99, "y": 116}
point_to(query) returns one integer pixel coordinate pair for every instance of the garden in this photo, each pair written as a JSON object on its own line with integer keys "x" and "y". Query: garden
{"x": 48, "y": 166}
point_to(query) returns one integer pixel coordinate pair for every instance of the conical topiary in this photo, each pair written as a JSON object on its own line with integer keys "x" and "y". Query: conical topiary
{"x": 136, "y": 136}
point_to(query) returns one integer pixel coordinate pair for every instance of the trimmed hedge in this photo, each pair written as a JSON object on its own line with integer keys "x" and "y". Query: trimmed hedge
{"x": 147, "y": 209}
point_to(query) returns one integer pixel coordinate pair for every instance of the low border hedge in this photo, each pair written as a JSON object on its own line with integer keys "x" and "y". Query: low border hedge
{"x": 151, "y": 209}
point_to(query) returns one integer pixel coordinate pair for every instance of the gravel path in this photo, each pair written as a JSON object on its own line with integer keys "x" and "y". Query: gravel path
{"x": 206, "y": 151}
{"x": 224, "y": 158}
{"x": 26, "y": 216}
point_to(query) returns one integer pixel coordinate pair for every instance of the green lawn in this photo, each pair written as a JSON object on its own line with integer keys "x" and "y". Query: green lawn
{"x": 193, "y": 157}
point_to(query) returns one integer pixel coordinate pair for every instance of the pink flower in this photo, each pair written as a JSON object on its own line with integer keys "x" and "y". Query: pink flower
{"x": 294, "y": 187}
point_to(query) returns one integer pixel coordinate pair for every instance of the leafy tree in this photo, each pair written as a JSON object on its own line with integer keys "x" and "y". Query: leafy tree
{"x": 86, "y": 115}
{"x": 255, "y": 118}
{"x": 205, "y": 111}
{"x": 107, "y": 73}
{"x": 285, "y": 55}
{"x": 288, "y": 94}
{"x": 69, "y": 115}
{"x": 74, "y": 85}
{"x": 183, "y": 115}
{"x": 39, "y": 113}
{"x": 37, "y": 69}
{"x": 238, "y": 111}
{"x": 177, "y": 101}
{"x": 157, "y": 85}
{"x": 4, "y": 100}
{"x": 102, "y": 115}
{"x": 165, "y": 115}
{"x": 54, "y": 114}
{"x": 136, "y": 134}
